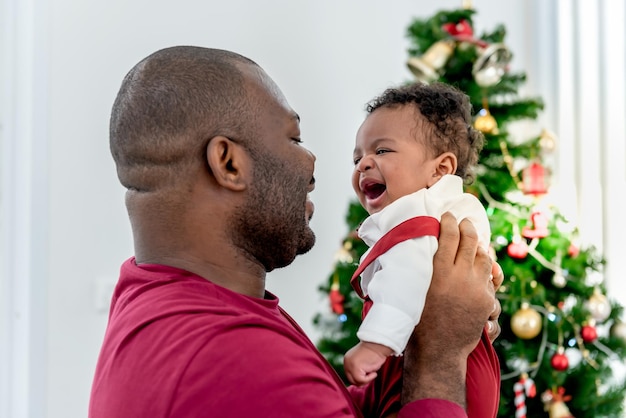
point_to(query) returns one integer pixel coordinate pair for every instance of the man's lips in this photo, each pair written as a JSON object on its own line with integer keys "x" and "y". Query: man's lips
{"x": 310, "y": 208}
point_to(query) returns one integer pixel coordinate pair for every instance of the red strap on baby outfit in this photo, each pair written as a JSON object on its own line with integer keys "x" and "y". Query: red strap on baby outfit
{"x": 416, "y": 227}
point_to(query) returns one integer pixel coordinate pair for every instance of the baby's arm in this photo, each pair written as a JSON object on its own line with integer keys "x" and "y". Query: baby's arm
{"x": 363, "y": 360}
{"x": 398, "y": 291}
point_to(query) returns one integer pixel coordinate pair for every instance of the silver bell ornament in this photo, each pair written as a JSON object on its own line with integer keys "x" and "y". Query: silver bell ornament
{"x": 492, "y": 63}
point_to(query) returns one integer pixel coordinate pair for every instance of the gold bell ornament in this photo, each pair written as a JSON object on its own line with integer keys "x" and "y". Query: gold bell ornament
{"x": 554, "y": 403}
{"x": 427, "y": 67}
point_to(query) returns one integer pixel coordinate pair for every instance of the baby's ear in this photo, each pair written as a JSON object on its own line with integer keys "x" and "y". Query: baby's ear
{"x": 446, "y": 164}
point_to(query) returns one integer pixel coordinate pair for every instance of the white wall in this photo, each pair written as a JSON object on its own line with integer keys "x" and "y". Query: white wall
{"x": 592, "y": 97}
{"x": 329, "y": 57}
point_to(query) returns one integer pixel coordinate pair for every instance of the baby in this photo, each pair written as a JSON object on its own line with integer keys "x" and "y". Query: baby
{"x": 413, "y": 153}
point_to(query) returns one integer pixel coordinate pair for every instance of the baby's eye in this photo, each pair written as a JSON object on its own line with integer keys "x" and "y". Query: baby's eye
{"x": 381, "y": 151}
{"x": 297, "y": 140}
{"x": 356, "y": 160}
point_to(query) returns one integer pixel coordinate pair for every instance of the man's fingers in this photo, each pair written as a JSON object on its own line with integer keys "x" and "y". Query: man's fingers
{"x": 468, "y": 242}
{"x": 444, "y": 260}
{"x": 493, "y": 330}
{"x": 497, "y": 275}
{"x": 493, "y": 326}
{"x": 448, "y": 238}
{"x": 497, "y": 310}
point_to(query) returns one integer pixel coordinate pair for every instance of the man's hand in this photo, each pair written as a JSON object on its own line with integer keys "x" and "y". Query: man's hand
{"x": 460, "y": 301}
{"x": 493, "y": 326}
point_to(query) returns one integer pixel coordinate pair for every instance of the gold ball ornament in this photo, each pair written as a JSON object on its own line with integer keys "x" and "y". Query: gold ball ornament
{"x": 526, "y": 323}
{"x": 486, "y": 123}
{"x": 599, "y": 306}
{"x": 618, "y": 330}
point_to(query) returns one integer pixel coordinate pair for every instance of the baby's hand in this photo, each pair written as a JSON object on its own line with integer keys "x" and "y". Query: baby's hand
{"x": 363, "y": 360}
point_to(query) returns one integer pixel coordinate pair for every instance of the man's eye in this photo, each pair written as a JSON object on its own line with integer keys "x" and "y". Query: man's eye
{"x": 297, "y": 140}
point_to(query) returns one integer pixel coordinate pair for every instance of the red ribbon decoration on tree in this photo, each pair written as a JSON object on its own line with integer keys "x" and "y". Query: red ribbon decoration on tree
{"x": 462, "y": 31}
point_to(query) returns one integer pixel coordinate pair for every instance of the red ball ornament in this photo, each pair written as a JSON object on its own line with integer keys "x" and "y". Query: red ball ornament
{"x": 573, "y": 250}
{"x": 559, "y": 361}
{"x": 517, "y": 249}
{"x": 589, "y": 333}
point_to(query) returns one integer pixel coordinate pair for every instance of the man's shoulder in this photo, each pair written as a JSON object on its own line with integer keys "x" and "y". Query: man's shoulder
{"x": 182, "y": 338}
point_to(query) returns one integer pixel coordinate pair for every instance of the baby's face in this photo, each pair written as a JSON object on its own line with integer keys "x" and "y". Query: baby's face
{"x": 390, "y": 160}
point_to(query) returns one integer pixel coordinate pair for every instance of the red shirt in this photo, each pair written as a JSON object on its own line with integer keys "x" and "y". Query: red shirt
{"x": 178, "y": 345}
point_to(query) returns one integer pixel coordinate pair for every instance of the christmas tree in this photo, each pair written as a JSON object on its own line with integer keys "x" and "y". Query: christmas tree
{"x": 562, "y": 334}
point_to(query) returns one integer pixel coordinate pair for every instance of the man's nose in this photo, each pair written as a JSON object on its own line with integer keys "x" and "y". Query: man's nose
{"x": 311, "y": 154}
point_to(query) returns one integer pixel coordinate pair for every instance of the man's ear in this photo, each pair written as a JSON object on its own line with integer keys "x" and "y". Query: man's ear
{"x": 227, "y": 161}
{"x": 444, "y": 164}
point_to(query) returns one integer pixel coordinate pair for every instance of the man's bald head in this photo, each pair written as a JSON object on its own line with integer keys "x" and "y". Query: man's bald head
{"x": 169, "y": 106}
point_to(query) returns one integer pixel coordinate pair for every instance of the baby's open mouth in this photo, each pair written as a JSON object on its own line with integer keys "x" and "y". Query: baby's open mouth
{"x": 374, "y": 190}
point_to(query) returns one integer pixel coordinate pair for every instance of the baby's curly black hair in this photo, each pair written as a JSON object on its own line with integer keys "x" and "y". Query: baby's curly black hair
{"x": 449, "y": 112}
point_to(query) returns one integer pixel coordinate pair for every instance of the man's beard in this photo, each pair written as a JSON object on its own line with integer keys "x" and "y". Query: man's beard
{"x": 271, "y": 225}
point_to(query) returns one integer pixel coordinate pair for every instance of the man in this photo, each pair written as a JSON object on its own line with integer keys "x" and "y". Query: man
{"x": 218, "y": 184}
